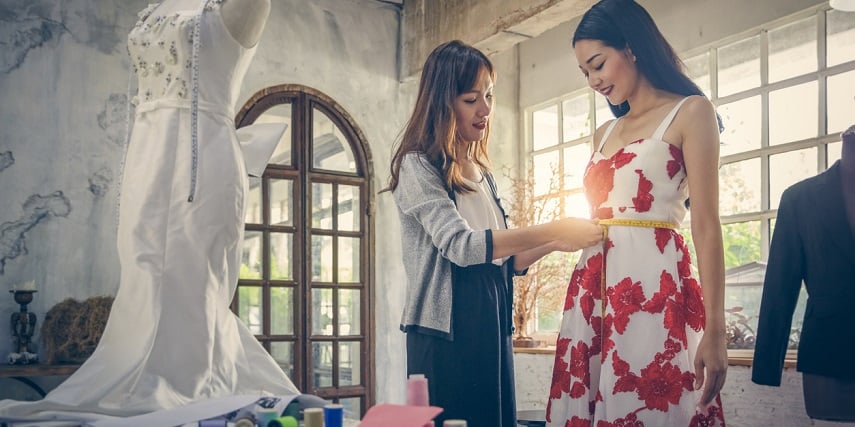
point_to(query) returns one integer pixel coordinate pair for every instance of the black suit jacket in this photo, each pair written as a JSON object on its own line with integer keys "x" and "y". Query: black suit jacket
{"x": 812, "y": 242}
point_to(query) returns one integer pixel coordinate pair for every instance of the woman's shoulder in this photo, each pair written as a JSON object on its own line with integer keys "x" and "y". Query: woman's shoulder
{"x": 698, "y": 106}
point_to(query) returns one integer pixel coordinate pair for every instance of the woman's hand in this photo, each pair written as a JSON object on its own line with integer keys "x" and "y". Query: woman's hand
{"x": 710, "y": 367}
{"x": 577, "y": 233}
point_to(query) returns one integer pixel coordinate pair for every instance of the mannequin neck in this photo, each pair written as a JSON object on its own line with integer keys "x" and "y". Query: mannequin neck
{"x": 245, "y": 19}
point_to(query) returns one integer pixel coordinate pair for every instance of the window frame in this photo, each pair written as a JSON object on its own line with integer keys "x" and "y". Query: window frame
{"x": 305, "y": 102}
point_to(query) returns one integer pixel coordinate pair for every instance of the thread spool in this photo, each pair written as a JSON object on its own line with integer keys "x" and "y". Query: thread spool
{"x": 286, "y": 421}
{"x": 245, "y": 422}
{"x": 417, "y": 390}
{"x": 333, "y": 415}
{"x": 454, "y": 423}
{"x": 265, "y": 416}
{"x": 313, "y": 417}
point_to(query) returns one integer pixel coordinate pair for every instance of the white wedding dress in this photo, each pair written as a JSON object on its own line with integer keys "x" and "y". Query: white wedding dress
{"x": 171, "y": 338}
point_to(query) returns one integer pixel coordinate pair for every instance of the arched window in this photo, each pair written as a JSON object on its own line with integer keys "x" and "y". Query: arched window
{"x": 305, "y": 287}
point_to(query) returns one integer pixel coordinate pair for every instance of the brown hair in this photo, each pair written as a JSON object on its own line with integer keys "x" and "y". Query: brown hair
{"x": 451, "y": 69}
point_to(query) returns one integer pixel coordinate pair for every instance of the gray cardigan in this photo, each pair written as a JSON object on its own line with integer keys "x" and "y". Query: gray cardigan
{"x": 433, "y": 236}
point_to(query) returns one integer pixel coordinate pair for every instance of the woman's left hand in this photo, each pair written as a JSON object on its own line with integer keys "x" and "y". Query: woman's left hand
{"x": 710, "y": 367}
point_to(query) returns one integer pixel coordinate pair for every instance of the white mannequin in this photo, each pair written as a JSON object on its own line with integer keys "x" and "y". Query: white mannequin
{"x": 244, "y": 19}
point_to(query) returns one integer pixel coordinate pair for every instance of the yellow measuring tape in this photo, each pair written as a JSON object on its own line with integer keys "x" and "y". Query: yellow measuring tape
{"x": 606, "y": 223}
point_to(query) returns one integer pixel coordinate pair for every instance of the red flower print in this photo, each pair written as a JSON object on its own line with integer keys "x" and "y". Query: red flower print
{"x": 693, "y": 304}
{"x": 578, "y": 390}
{"x": 561, "y": 377}
{"x": 675, "y": 321}
{"x": 621, "y": 158}
{"x": 579, "y": 363}
{"x": 586, "y": 303}
{"x": 629, "y": 421}
{"x": 643, "y": 199}
{"x": 578, "y": 422}
{"x": 674, "y": 166}
{"x": 714, "y": 416}
{"x": 663, "y": 235}
{"x": 684, "y": 265}
{"x": 604, "y": 213}
{"x": 620, "y": 366}
{"x": 660, "y": 386}
{"x": 667, "y": 288}
{"x": 626, "y": 298}
{"x": 598, "y": 182}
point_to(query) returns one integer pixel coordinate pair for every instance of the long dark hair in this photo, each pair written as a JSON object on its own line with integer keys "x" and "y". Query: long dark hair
{"x": 622, "y": 24}
{"x": 450, "y": 70}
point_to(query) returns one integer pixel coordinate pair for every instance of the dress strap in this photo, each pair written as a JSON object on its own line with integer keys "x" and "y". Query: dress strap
{"x": 660, "y": 131}
{"x": 606, "y": 135}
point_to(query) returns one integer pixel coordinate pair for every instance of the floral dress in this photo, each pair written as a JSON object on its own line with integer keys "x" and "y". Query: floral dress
{"x": 634, "y": 313}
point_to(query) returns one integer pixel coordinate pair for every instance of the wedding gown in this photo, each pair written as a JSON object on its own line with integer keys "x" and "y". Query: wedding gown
{"x": 171, "y": 338}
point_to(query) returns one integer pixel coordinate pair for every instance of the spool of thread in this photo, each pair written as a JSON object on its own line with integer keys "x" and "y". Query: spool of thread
{"x": 454, "y": 423}
{"x": 417, "y": 390}
{"x": 313, "y": 417}
{"x": 286, "y": 421}
{"x": 265, "y": 416}
{"x": 245, "y": 422}
{"x": 333, "y": 415}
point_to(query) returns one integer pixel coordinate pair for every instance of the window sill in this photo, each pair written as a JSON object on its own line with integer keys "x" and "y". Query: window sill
{"x": 734, "y": 357}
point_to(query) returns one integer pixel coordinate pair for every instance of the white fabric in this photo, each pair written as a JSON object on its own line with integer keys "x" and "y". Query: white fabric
{"x": 257, "y": 142}
{"x": 171, "y": 338}
{"x": 480, "y": 210}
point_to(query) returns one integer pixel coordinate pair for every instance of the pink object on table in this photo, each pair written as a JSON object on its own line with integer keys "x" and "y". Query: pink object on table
{"x": 387, "y": 415}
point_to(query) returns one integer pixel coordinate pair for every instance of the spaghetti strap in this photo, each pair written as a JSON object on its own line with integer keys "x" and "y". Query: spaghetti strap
{"x": 660, "y": 131}
{"x": 606, "y": 135}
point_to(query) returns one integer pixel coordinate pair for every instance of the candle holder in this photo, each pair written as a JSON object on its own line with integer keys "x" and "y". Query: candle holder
{"x": 23, "y": 328}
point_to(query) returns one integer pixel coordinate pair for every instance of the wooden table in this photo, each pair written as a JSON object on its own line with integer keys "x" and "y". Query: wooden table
{"x": 23, "y": 373}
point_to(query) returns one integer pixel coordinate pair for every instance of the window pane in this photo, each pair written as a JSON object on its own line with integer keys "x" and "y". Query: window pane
{"x": 742, "y": 123}
{"x": 546, "y": 177}
{"x": 577, "y": 118}
{"x": 841, "y": 101}
{"x": 577, "y": 206}
{"x": 739, "y": 187}
{"x": 280, "y": 113}
{"x": 834, "y": 152}
{"x": 786, "y": 123}
{"x": 739, "y": 66}
{"x": 283, "y": 353}
{"x": 322, "y": 258}
{"x": 786, "y": 169}
{"x": 281, "y": 251}
{"x": 281, "y": 195}
{"x": 250, "y": 264}
{"x": 348, "y": 208}
{"x": 741, "y": 243}
{"x": 352, "y": 407}
{"x": 604, "y": 113}
{"x": 249, "y": 307}
{"x": 840, "y": 28}
{"x": 348, "y": 312}
{"x": 698, "y": 68}
{"x": 322, "y": 205}
{"x": 348, "y": 364}
{"x": 322, "y": 311}
{"x": 330, "y": 149}
{"x": 253, "y": 202}
{"x": 544, "y": 126}
{"x": 792, "y": 50}
{"x": 348, "y": 260}
{"x": 575, "y": 160}
{"x": 281, "y": 310}
{"x": 322, "y": 364}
